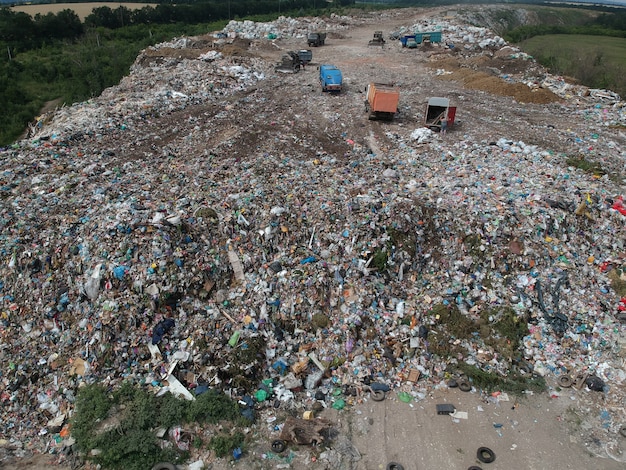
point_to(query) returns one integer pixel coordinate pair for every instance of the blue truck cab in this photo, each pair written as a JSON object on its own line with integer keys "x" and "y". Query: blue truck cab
{"x": 330, "y": 78}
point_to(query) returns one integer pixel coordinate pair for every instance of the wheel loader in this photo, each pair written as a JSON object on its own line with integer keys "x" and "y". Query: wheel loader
{"x": 290, "y": 63}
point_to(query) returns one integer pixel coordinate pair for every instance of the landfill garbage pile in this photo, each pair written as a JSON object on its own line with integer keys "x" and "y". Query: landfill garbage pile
{"x": 191, "y": 229}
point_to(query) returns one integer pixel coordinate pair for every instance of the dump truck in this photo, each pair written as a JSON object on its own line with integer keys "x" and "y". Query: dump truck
{"x": 316, "y": 39}
{"x": 428, "y": 36}
{"x": 378, "y": 39}
{"x": 437, "y": 109}
{"x": 306, "y": 56}
{"x": 420, "y": 38}
{"x": 382, "y": 101}
{"x": 289, "y": 63}
{"x": 330, "y": 78}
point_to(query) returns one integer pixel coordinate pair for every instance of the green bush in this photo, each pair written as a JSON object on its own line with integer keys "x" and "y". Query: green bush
{"x": 122, "y": 424}
{"x": 223, "y": 444}
{"x": 512, "y": 383}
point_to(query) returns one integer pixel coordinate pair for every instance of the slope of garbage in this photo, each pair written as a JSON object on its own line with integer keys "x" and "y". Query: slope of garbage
{"x": 211, "y": 223}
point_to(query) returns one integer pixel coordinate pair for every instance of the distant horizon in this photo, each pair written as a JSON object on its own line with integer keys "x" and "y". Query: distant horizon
{"x": 598, "y": 2}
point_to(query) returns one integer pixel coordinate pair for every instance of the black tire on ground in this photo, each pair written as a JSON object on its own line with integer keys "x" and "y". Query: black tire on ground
{"x": 165, "y": 466}
{"x": 279, "y": 446}
{"x": 474, "y": 467}
{"x": 565, "y": 381}
{"x": 465, "y": 386}
{"x": 622, "y": 431}
{"x": 377, "y": 395}
{"x": 485, "y": 455}
{"x": 394, "y": 466}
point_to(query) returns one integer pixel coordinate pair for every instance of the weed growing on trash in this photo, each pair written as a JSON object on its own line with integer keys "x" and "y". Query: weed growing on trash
{"x": 618, "y": 281}
{"x": 588, "y": 166}
{"x": 122, "y": 424}
{"x": 223, "y": 444}
{"x": 319, "y": 321}
{"x": 492, "y": 381}
{"x": 379, "y": 261}
{"x": 510, "y": 329}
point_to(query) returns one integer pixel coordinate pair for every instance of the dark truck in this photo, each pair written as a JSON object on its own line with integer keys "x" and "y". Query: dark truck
{"x": 316, "y": 39}
{"x": 306, "y": 56}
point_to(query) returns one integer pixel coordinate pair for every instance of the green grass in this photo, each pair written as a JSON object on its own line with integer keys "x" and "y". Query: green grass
{"x": 587, "y": 166}
{"x": 595, "y": 61}
{"x": 512, "y": 383}
{"x": 121, "y": 424}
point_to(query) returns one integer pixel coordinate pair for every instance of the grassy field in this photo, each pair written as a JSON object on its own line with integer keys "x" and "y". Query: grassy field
{"x": 595, "y": 60}
{"x": 81, "y": 9}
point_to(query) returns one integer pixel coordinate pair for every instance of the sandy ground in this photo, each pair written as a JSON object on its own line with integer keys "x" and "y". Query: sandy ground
{"x": 557, "y": 430}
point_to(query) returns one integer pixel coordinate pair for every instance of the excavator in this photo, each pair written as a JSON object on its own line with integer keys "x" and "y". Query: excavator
{"x": 290, "y": 63}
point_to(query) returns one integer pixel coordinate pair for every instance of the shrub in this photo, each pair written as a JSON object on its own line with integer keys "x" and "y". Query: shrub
{"x": 122, "y": 424}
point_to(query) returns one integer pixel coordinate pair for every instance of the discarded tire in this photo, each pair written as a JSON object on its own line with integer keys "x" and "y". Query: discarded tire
{"x": 377, "y": 395}
{"x": 452, "y": 383}
{"x": 622, "y": 431}
{"x": 279, "y": 446}
{"x": 565, "y": 381}
{"x": 394, "y": 466}
{"x": 485, "y": 455}
{"x": 474, "y": 467}
{"x": 464, "y": 386}
{"x": 165, "y": 466}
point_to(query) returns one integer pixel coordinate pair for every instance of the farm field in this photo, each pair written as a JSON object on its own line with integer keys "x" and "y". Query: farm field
{"x": 567, "y": 53}
{"x": 82, "y": 9}
{"x": 577, "y": 46}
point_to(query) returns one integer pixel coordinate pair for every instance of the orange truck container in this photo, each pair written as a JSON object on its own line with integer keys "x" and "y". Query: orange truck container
{"x": 382, "y": 101}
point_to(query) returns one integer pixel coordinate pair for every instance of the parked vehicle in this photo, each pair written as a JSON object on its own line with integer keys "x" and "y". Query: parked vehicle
{"x": 290, "y": 63}
{"x": 378, "y": 39}
{"x": 316, "y": 39}
{"x": 330, "y": 78}
{"x": 420, "y": 38}
{"x": 306, "y": 56}
{"x": 436, "y": 110}
{"x": 404, "y": 39}
{"x": 382, "y": 101}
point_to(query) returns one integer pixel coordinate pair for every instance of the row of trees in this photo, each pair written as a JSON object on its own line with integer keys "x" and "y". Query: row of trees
{"x": 21, "y": 31}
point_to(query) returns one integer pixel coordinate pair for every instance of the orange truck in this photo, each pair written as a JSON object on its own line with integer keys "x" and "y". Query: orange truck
{"x": 382, "y": 101}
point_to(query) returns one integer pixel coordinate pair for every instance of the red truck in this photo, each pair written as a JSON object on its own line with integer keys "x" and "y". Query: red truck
{"x": 382, "y": 101}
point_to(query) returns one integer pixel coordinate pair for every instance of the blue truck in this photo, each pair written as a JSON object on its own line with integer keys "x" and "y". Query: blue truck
{"x": 419, "y": 38}
{"x": 330, "y": 78}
